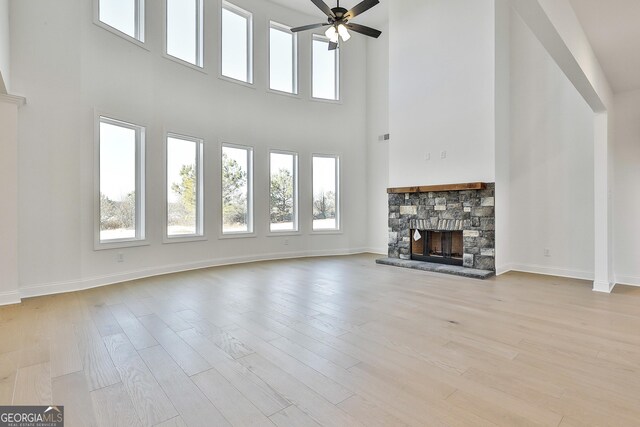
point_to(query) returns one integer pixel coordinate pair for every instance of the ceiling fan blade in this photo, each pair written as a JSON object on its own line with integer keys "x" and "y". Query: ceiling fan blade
{"x": 308, "y": 27}
{"x": 333, "y": 46}
{"x": 360, "y": 7}
{"x": 323, "y": 7}
{"x": 367, "y": 31}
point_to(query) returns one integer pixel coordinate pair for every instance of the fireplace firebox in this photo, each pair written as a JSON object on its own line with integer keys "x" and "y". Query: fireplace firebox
{"x": 443, "y": 247}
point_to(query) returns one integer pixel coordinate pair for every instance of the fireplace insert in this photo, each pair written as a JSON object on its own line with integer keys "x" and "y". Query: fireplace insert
{"x": 444, "y": 247}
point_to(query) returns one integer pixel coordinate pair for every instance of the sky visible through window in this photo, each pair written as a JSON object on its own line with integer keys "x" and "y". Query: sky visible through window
{"x": 235, "y": 46}
{"x": 281, "y": 60}
{"x": 284, "y": 218}
{"x": 117, "y": 161}
{"x": 236, "y": 213}
{"x": 182, "y": 17}
{"x": 324, "y": 70}
{"x": 324, "y": 184}
{"x": 180, "y": 152}
{"x": 119, "y": 14}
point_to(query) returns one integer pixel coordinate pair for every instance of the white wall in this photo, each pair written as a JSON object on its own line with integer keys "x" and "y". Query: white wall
{"x": 69, "y": 67}
{"x": 9, "y": 197}
{"x": 626, "y": 160}
{"x": 378, "y": 151}
{"x": 5, "y": 70}
{"x": 551, "y": 164}
{"x": 442, "y": 97}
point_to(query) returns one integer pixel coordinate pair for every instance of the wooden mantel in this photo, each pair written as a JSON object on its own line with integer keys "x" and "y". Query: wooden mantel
{"x": 442, "y": 187}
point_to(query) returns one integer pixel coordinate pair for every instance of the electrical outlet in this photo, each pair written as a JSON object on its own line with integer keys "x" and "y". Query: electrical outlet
{"x": 120, "y": 257}
{"x": 443, "y": 154}
{"x": 427, "y": 156}
{"x": 286, "y": 242}
{"x": 547, "y": 252}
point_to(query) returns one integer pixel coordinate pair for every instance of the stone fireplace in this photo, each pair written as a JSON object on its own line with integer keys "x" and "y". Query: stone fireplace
{"x": 449, "y": 224}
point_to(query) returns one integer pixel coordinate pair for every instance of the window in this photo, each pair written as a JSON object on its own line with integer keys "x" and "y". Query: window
{"x": 184, "y": 30}
{"x": 184, "y": 186}
{"x": 237, "y": 191}
{"x": 236, "y": 49}
{"x": 283, "y": 59}
{"x": 121, "y": 181}
{"x": 325, "y": 80}
{"x": 283, "y": 191}
{"x": 326, "y": 205}
{"x": 126, "y": 16}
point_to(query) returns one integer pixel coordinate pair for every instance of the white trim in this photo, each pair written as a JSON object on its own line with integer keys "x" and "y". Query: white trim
{"x": 338, "y": 229}
{"x": 628, "y": 280}
{"x": 378, "y": 251}
{"x": 8, "y": 298}
{"x": 199, "y": 65}
{"x": 338, "y": 72}
{"x": 296, "y": 59}
{"x": 250, "y": 50}
{"x": 603, "y": 287}
{"x": 547, "y": 271}
{"x": 96, "y": 281}
{"x": 296, "y": 190}
{"x": 139, "y": 39}
{"x": 250, "y": 193}
{"x": 200, "y": 229}
{"x": 13, "y": 99}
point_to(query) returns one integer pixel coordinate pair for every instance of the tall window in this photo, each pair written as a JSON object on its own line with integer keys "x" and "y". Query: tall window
{"x": 326, "y": 206}
{"x": 184, "y": 30}
{"x": 325, "y": 76}
{"x": 121, "y": 181}
{"x": 237, "y": 191}
{"x": 236, "y": 50}
{"x": 283, "y": 59}
{"x": 126, "y": 16}
{"x": 283, "y": 194}
{"x": 184, "y": 186}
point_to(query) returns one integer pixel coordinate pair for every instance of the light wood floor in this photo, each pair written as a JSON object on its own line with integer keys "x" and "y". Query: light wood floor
{"x": 328, "y": 341}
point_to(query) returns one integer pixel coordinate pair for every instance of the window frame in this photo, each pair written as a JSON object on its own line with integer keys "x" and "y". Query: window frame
{"x": 337, "y": 71}
{"x": 200, "y": 184}
{"x": 224, "y": 4}
{"x": 140, "y": 187}
{"x": 140, "y": 28}
{"x": 251, "y": 232}
{"x": 200, "y": 40}
{"x": 296, "y": 58}
{"x": 338, "y": 229}
{"x": 296, "y": 204}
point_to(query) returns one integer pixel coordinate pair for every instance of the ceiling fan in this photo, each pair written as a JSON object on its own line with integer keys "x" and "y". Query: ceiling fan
{"x": 338, "y": 22}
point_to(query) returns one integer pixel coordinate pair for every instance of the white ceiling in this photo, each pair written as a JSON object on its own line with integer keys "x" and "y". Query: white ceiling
{"x": 375, "y": 16}
{"x": 613, "y": 29}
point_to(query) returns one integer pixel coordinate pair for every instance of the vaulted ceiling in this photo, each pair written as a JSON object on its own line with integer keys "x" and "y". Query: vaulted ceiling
{"x": 376, "y": 16}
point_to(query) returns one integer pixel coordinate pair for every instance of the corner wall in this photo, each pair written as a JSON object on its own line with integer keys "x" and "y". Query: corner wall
{"x": 5, "y": 45}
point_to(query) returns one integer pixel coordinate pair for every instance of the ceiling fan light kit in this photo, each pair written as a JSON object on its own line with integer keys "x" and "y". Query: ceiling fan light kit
{"x": 338, "y": 22}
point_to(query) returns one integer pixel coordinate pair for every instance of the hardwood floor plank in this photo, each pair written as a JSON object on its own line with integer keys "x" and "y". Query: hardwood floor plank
{"x": 71, "y": 390}
{"x": 137, "y": 334}
{"x": 113, "y": 407}
{"x": 33, "y": 385}
{"x": 292, "y": 416}
{"x": 192, "y": 405}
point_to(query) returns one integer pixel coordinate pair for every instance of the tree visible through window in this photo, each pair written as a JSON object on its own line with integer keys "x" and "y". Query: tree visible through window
{"x": 325, "y": 193}
{"x": 183, "y": 186}
{"x": 236, "y": 190}
{"x": 283, "y": 200}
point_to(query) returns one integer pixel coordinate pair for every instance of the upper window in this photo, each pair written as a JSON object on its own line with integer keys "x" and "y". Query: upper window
{"x": 283, "y": 59}
{"x": 121, "y": 181}
{"x": 184, "y": 186}
{"x": 325, "y": 76}
{"x": 325, "y": 193}
{"x": 237, "y": 191}
{"x": 236, "y": 49}
{"x": 126, "y": 16}
{"x": 184, "y": 30}
{"x": 283, "y": 191}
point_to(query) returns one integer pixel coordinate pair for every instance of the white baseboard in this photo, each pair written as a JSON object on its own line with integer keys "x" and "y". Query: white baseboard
{"x": 501, "y": 269}
{"x": 94, "y": 282}
{"x": 604, "y": 287}
{"x": 378, "y": 251}
{"x": 547, "y": 271}
{"x": 7, "y": 298}
{"x": 628, "y": 280}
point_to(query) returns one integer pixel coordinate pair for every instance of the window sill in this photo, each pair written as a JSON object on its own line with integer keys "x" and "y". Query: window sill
{"x": 321, "y": 232}
{"x": 120, "y": 34}
{"x": 119, "y": 244}
{"x": 326, "y": 101}
{"x": 184, "y": 63}
{"x": 283, "y": 233}
{"x": 236, "y": 81}
{"x": 286, "y": 94}
{"x": 183, "y": 239}
{"x": 238, "y": 235}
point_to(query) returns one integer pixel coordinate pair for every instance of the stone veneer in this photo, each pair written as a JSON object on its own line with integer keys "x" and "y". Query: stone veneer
{"x": 472, "y": 211}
